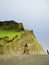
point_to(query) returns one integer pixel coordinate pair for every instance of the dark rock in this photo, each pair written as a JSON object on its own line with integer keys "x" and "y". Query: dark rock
{"x": 12, "y": 39}
{"x": 4, "y": 38}
{"x": 11, "y": 25}
{"x": 26, "y": 50}
{"x": 47, "y": 51}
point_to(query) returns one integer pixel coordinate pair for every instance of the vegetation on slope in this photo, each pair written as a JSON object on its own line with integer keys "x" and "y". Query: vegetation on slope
{"x": 17, "y": 41}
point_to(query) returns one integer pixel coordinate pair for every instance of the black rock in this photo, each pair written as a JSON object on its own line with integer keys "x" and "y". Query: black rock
{"x": 11, "y": 25}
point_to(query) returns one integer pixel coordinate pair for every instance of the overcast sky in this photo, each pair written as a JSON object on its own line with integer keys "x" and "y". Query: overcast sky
{"x": 33, "y": 13}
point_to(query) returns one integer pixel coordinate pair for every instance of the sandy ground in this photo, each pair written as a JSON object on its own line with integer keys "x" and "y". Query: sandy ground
{"x": 26, "y": 60}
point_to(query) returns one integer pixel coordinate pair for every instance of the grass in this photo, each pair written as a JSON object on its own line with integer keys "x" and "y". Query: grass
{"x": 9, "y": 33}
{"x": 24, "y": 37}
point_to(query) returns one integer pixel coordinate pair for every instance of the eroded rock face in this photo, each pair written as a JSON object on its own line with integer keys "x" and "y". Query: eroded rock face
{"x": 24, "y": 43}
{"x": 27, "y": 44}
{"x": 11, "y": 25}
{"x": 20, "y": 26}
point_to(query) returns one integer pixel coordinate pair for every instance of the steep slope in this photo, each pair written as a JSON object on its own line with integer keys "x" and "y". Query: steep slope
{"x": 17, "y": 41}
{"x": 27, "y": 44}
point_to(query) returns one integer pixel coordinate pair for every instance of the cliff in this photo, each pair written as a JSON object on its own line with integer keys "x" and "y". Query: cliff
{"x": 15, "y": 40}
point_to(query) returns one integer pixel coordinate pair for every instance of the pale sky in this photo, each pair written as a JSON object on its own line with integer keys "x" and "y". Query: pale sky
{"x": 33, "y": 13}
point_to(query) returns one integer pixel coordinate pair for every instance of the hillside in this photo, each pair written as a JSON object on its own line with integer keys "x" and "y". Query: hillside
{"x": 15, "y": 40}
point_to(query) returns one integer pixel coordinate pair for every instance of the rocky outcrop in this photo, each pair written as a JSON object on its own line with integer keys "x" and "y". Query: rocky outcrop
{"x": 47, "y": 51}
{"x": 8, "y": 25}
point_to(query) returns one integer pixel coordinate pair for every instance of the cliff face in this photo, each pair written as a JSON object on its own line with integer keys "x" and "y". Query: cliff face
{"x": 8, "y": 25}
{"x": 27, "y": 44}
{"x": 18, "y": 41}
